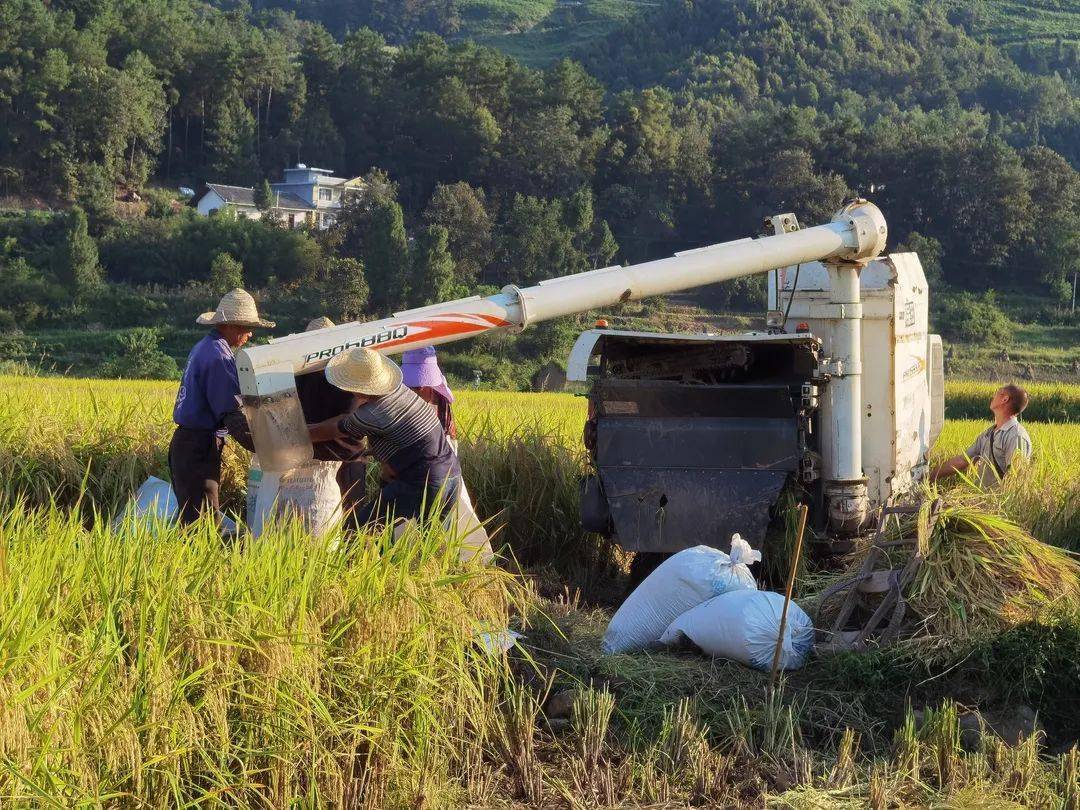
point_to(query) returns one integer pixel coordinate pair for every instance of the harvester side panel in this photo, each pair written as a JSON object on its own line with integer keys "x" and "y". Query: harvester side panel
{"x": 912, "y": 401}
{"x": 896, "y": 400}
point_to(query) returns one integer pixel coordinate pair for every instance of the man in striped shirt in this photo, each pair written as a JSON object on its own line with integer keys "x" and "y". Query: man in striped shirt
{"x": 403, "y": 433}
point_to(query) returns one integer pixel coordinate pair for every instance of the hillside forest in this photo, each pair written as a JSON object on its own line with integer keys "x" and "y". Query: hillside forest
{"x": 686, "y": 124}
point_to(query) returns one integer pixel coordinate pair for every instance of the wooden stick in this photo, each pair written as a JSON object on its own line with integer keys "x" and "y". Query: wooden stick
{"x": 787, "y": 597}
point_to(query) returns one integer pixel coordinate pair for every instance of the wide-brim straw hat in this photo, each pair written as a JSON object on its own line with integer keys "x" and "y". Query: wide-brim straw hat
{"x": 236, "y": 308}
{"x": 319, "y": 323}
{"x": 363, "y": 371}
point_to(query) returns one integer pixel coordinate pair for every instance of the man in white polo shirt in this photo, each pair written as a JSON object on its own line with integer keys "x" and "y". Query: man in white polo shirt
{"x": 996, "y": 447}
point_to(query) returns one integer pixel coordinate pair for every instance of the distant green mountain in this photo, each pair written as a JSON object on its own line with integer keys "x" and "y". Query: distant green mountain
{"x": 539, "y": 31}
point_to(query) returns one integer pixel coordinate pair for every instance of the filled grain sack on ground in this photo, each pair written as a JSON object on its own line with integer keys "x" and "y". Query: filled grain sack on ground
{"x": 154, "y": 500}
{"x": 309, "y": 492}
{"x": 155, "y": 504}
{"x": 680, "y": 583}
{"x": 743, "y": 626}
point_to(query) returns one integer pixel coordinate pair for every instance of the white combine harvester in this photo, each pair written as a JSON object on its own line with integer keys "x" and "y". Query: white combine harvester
{"x": 695, "y": 435}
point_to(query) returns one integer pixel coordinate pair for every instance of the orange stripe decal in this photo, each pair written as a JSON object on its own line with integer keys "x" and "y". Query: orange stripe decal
{"x": 436, "y": 329}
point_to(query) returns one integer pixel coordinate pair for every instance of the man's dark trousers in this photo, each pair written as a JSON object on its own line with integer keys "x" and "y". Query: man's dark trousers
{"x": 195, "y": 466}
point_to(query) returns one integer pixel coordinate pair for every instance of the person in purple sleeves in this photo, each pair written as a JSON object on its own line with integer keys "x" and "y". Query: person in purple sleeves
{"x": 207, "y": 405}
{"x": 420, "y": 372}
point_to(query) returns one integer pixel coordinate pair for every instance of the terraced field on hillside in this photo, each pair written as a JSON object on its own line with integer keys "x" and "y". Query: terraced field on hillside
{"x": 540, "y": 31}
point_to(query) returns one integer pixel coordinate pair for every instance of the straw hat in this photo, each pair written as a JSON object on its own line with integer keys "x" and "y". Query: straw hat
{"x": 236, "y": 308}
{"x": 363, "y": 371}
{"x": 319, "y": 323}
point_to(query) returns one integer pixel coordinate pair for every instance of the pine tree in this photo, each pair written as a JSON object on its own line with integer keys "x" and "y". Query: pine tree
{"x": 96, "y": 195}
{"x": 433, "y": 277}
{"x": 386, "y": 256}
{"x": 264, "y": 196}
{"x": 345, "y": 290}
{"x": 603, "y": 247}
{"x": 462, "y": 211}
{"x": 75, "y": 257}
{"x": 136, "y": 119}
{"x": 226, "y": 273}
{"x": 232, "y": 139}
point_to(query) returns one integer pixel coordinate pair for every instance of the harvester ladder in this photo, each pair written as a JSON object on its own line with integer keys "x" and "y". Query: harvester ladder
{"x": 878, "y": 581}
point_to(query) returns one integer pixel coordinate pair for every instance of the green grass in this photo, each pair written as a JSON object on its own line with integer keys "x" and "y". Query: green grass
{"x": 1008, "y": 22}
{"x": 82, "y": 352}
{"x": 486, "y": 17}
{"x": 838, "y": 733}
{"x": 1049, "y": 350}
{"x": 538, "y": 32}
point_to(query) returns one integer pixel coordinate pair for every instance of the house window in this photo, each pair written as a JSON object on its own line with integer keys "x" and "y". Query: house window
{"x": 292, "y": 220}
{"x": 325, "y": 195}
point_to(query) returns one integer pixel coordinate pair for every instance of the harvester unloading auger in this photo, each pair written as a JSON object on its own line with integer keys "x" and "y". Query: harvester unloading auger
{"x": 695, "y": 435}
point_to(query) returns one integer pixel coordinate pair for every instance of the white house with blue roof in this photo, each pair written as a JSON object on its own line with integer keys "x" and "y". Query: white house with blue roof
{"x": 305, "y": 196}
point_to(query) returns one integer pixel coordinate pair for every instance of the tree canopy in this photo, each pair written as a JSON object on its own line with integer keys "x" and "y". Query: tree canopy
{"x": 685, "y": 126}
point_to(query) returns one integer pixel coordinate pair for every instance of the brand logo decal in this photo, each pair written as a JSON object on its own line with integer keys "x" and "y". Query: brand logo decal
{"x": 368, "y": 341}
{"x": 909, "y": 313}
{"x": 916, "y": 367}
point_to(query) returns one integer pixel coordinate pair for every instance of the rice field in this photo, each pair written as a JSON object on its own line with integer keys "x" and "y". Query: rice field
{"x": 144, "y": 665}
{"x": 1050, "y": 402}
{"x": 94, "y": 441}
{"x": 164, "y": 668}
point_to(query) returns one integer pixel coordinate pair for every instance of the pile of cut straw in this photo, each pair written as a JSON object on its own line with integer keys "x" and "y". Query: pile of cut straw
{"x": 981, "y": 574}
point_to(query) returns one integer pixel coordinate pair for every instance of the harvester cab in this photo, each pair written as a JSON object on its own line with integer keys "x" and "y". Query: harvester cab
{"x": 697, "y": 434}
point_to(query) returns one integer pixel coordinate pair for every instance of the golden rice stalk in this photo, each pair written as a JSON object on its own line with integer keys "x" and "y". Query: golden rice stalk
{"x": 981, "y": 574}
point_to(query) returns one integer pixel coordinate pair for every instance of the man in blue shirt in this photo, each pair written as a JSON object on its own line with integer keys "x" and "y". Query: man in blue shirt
{"x": 207, "y": 405}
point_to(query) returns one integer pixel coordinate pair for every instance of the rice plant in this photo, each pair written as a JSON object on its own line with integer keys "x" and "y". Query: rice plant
{"x": 1050, "y": 401}
{"x": 148, "y": 662}
{"x": 1043, "y": 494}
{"x": 145, "y": 664}
{"x": 980, "y": 574}
{"x": 590, "y": 719}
